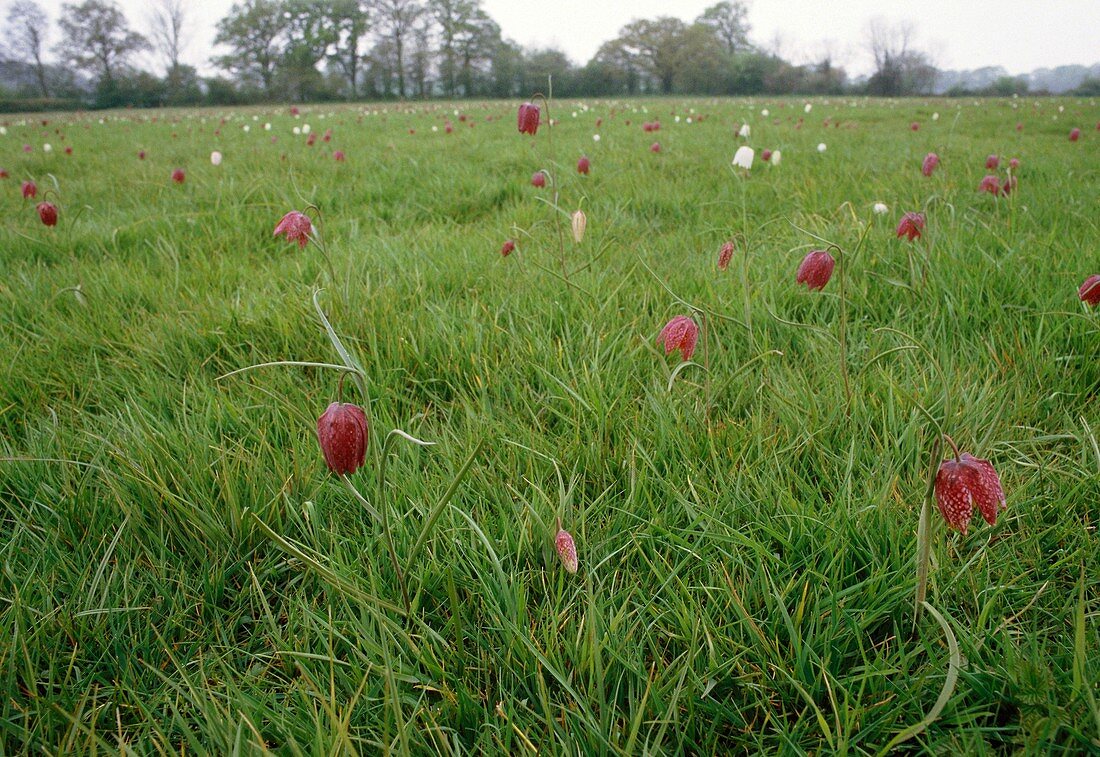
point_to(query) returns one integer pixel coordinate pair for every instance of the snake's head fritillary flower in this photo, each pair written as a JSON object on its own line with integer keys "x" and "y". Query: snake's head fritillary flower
{"x": 29, "y": 189}
{"x": 507, "y": 248}
{"x": 1014, "y": 163}
{"x": 911, "y": 225}
{"x": 992, "y": 162}
{"x": 1009, "y": 186}
{"x": 765, "y": 155}
{"x": 528, "y": 118}
{"x": 822, "y": 147}
{"x": 880, "y": 208}
{"x": 915, "y": 126}
{"x": 745, "y": 131}
{"x": 215, "y": 158}
{"x": 931, "y": 160}
{"x": 567, "y": 550}
{"x": 47, "y": 211}
{"x": 777, "y": 157}
{"x": 342, "y": 433}
{"x": 816, "y": 269}
{"x": 3, "y": 173}
{"x": 178, "y": 176}
{"x": 580, "y": 223}
{"x": 991, "y": 184}
{"x": 655, "y": 147}
{"x": 1090, "y": 290}
{"x": 538, "y": 179}
{"x": 296, "y": 226}
{"x": 725, "y": 255}
{"x": 1074, "y": 135}
{"x": 680, "y": 333}
{"x": 743, "y": 157}
{"x": 963, "y": 482}
{"x": 338, "y": 156}
{"x": 141, "y": 154}
{"x": 583, "y": 165}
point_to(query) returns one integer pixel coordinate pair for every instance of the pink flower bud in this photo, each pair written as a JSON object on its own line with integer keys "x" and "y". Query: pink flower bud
{"x": 567, "y": 550}
{"x": 583, "y": 165}
{"x": 538, "y": 179}
{"x": 30, "y": 189}
{"x": 992, "y": 162}
{"x": 724, "y": 256}
{"x": 507, "y": 248}
{"x": 931, "y": 160}
{"x": 816, "y": 269}
{"x": 655, "y": 147}
{"x": 342, "y": 433}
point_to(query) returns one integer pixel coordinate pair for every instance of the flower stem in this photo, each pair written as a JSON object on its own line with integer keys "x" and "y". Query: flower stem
{"x": 954, "y": 447}
{"x": 842, "y": 331}
{"x": 924, "y": 534}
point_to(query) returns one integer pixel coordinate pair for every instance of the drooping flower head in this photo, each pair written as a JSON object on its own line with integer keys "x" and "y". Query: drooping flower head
{"x": 507, "y": 248}
{"x": 931, "y": 160}
{"x": 765, "y": 155}
{"x": 725, "y": 255}
{"x": 528, "y": 118}
{"x": 963, "y": 482}
{"x": 1089, "y": 293}
{"x": 991, "y": 184}
{"x": 178, "y": 176}
{"x": 743, "y": 157}
{"x": 655, "y": 147}
{"x": 567, "y": 550}
{"x": 911, "y": 225}
{"x": 342, "y": 433}
{"x": 215, "y": 158}
{"x": 538, "y": 179}
{"x": 992, "y": 162}
{"x": 680, "y": 333}
{"x": 579, "y": 223}
{"x": 29, "y": 189}
{"x": 47, "y": 212}
{"x": 296, "y": 226}
{"x": 816, "y": 269}
{"x": 1074, "y": 135}
{"x": 583, "y": 165}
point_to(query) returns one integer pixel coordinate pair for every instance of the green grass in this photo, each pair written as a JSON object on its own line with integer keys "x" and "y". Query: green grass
{"x": 180, "y": 572}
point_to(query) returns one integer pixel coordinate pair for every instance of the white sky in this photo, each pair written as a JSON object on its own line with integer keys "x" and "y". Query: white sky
{"x": 1020, "y": 35}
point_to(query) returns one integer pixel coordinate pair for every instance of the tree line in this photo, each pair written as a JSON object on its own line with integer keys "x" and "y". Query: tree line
{"x": 317, "y": 50}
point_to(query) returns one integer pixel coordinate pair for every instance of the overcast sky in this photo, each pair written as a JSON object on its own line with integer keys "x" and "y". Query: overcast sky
{"x": 1020, "y": 35}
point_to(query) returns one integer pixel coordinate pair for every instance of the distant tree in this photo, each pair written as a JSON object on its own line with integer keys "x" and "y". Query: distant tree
{"x": 311, "y": 32}
{"x": 620, "y": 67}
{"x": 539, "y": 66}
{"x": 351, "y": 22}
{"x": 899, "y": 69}
{"x": 656, "y": 47}
{"x": 253, "y": 32}
{"x": 26, "y": 37}
{"x": 729, "y": 22}
{"x": 395, "y": 20}
{"x": 421, "y": 55}
{"x": 701, "y": 62}
{"x": 97, "y": 38}
{"x": 467, "y": 38}
{"x": 168, "y": 19}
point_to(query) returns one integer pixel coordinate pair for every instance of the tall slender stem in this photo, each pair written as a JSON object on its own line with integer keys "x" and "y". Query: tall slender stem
{"x": 707, "y": 398}
{"x": 924, "y": 534}
{"x": 842, "y": 335}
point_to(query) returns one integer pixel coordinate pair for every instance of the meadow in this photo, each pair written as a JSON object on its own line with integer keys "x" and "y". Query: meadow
{"x": 180, "y": 572}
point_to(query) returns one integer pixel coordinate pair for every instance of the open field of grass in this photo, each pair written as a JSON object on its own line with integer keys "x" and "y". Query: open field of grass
{"x": 180, "y": 572}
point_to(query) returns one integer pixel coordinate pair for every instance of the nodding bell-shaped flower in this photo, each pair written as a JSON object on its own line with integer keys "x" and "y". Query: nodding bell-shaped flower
{"x": 725, "y": 255}
{"x": 992, "y": 162}
{"x": 1089, "y": 293}
{"x": 47, "y": 211}
{"x": 567, "y": 550}
{"x": 991, "y": 184}
{"x": 765, "y": 155}
{"x": 1074, "y": 135}
{"x": 580, "y": 223}
{"x": 745, "y": 131}
{"x": 29, "y": 189}
{"x": 178, "y": 176}
{"x": 507, "y": 248}
{"x": 911, "y": 225}
{"x": 296, "y": 226}
{"x": 342, "y": 433}
{"x": 816, "y": 269}
{"x": 583, "y": 165}
{"x": 680, "y": 333}
{"x": 931, "y": 160}
{"x": 538, "y": 179}
{"x": 215, "y": 158}
{"x": 963, "y": 482}
{"x": 880, "y": 208}
{"x": 777, "y": 157}
{"x": 743, "y": 157}
{"x": 528, "y": 118}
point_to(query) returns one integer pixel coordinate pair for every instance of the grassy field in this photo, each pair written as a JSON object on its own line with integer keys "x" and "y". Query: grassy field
{"x": 180, "y": 572}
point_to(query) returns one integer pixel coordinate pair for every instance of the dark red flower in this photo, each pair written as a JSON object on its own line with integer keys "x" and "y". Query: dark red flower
{"x": 583, "y": 165}
{"x": 528, "y": 118}
{"x": 1074, "y": 135}
{"x": 296, "y": 226}
{"x": 47, "y": 211}
{"x": 178, "y": 176}
{"x": 1014, "y": 163}
{"x": 3, "y": 173}
{"x": 931, "y": 160}
{"x": 141, "y": 154}
{"x": 567, "y": 550}
{"x": 765, "y": 155}
{"x": 963, "y": 482}
{"x": 507, "y": 248}
{"x": 992, "y": 162}
{"x": 655, "y": 147}
{"x": 338, "y": 156}
{"x": 725, "y": 255}
{"x": 30, "y": 189}
{"x": 911, "y": 225}
{"x": 342, "y": 433}
{"x": 538, "y": 179}
{"x": 816, "y": 269}
{"x": 1009, "y": 185}
{"x": 680, "y": 333}
{"x": 1090, "y": 290}
{"x": 914, "y": 126}
{"x": 311, "y": 140}
{"x": 991, "y": 184}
